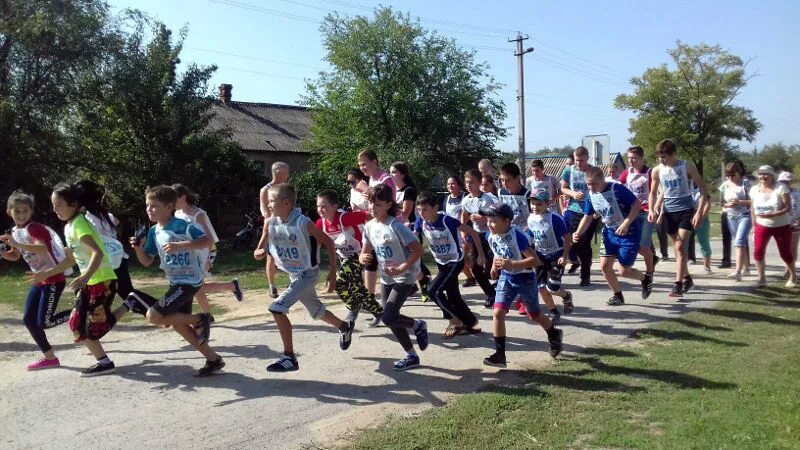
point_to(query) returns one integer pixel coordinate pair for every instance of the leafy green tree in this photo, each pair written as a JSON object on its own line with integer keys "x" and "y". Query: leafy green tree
{"x": 406, "y": 92}
{"x": 691, "y": 103}
{"x": 47, "y": 48}
{"x": 148, "y": 124}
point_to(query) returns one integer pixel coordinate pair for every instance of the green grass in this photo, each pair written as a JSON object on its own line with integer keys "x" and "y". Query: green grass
{"x": 722, "y": 377}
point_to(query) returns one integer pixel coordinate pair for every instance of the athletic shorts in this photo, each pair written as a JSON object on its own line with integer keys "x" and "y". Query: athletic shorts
{"x": 623, "y": 248}
{"x": 92, "y": 317}
{"x": 548, "y": 275}
{"x": 673, "y": 221}
{"x": 509, "y": 288}
{"x": 178, "y": 299}
{"x": 302, "y": 288}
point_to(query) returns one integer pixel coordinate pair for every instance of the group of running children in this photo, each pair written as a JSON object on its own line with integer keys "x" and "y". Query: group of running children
{"x": 517, "y": 238}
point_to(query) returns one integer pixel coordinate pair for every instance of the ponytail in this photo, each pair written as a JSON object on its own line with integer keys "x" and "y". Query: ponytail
{"x": 85, "y": 194}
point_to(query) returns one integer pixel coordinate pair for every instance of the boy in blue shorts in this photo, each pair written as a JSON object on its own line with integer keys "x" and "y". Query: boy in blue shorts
{"x": 618, "y": 209}
{"x": 552, "y": 240}
{"x": 514, "y": 260}
{"x": 180, "y": 246}
{"x": 294, "y": 243}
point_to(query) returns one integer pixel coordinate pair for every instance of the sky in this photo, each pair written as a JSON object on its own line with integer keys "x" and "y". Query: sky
{"x": 585, "y": 52}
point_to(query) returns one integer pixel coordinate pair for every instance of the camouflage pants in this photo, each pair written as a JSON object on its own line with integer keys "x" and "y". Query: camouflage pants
{"x": 350, "y": 287}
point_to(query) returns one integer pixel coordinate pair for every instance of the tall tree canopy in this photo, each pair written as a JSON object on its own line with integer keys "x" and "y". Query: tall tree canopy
{"x": 691, "y": 103}
{"x": 409, "y": 93}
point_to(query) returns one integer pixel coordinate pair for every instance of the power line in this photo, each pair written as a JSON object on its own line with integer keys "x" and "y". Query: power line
{"x": 594, "y": 64}
{"x": 254, "y": 58}
{"x": 275, "y": 75}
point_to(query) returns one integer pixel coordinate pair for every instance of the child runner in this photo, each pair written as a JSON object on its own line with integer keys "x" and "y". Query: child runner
{"x": 42, "y": 249}
{"x": 186, "y": 209}
{"x": 618, "y": 209}
{"x": 514, "y": 259}
{"x": 397, "y": 252}
{"x": 96, "y": 287}
{"x": 470, "y": 214}
{"x": 180, "y": 246}
{"x": 345, "y": 229}
{"x": 280, "y": 175}
{"x": 673, "y": 177}
{"x": 540, "y": 181}
{"x": 294, "y": 243}
{"x": 515, "y": 195}
{"x": 552, "y": 240}
{"x": 442, "y": 233}
{"x": 370, "y": 166}
{"x": 452, "y": 207}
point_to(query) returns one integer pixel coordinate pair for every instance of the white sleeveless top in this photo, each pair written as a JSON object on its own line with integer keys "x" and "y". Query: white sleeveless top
{"x": 543, "y": 235}
{"x": 605, "y": 204}
{"x": 291, "y": 245}
{"x": 193, "y": 219}
{"x": 675, "y": 184}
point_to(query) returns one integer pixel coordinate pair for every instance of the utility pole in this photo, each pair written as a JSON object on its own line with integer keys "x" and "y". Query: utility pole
{"x": 519, "y": 53}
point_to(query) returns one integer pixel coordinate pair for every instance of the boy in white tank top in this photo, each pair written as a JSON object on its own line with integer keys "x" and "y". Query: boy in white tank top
{"x": 293, "y": 242}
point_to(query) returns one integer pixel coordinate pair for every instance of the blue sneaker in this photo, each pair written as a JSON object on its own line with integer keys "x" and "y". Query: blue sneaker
{"x": 406, "y": 363}
{"x": 421, "y": 332}
{"x": 237, "y": 290}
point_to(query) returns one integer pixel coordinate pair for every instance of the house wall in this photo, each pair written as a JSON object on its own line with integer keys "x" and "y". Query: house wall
{"x": 297, "y": 161}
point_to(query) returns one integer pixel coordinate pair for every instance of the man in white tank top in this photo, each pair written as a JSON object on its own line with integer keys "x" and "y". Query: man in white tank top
{"x": 672, "y": 178}
{"x": 280, "y": 175}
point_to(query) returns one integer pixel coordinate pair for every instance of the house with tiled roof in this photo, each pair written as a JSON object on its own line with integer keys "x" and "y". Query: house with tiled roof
{"x": 554, "y": 164}
{"x": 267, "y": 132}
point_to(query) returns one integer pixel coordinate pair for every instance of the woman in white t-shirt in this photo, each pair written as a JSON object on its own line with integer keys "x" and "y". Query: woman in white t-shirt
{"x": 770, "y": 211}
{"x": 735, "y": 202}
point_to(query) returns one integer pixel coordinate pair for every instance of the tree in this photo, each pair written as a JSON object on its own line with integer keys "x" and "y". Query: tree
{"x": 406, "y": 92}
{"x": 691, "y": 103}
{"x": 147, "y": 124}
{"x": 547, "y": 151}
{"x": 47, "y": 47}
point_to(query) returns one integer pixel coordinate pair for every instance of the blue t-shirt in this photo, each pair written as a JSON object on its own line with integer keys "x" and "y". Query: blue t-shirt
{"x": 613, "y": 205}
{"x": 511, "y": 245}
{"x": 576, "y": 180}
{"x": 443, "y": 238}
{"x": 547, "y": 235}
{"x": 182, "y": 266}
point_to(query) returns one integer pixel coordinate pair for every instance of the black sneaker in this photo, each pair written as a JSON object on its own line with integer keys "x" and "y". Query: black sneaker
{"x": 495, "y": 360}
{"x": 488, "y": 303}
{"x": 99, "y": 369}
{"x": 688, "y": 283}
{"x": 573, "y": 268}
{"x": 656, "y": 260}
{"x": 585, "y": 283}
{"x": 211, "y": 367}
{"x": 555, "y": 317}
{"x": 273, "y": 292}
{"x": 284, "y": 364}
{"x": 421, "y": 332}
{"x": 556, "y": 342}
{"x": 469, "y": 283}
{"x": 677, "y": 290}
{"x": 136, "y": 304}
{"x": 647, "y": 286}
{"x": 237, "y": 290}
{"x": 725, "y": 265}
{"x": 615, "y": 300}
{"x": 569, "y": 306}
{"x": 203, "y": 328}
{"x": 346, "y": 337}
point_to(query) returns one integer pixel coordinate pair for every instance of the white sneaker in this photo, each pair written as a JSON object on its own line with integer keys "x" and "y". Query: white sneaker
{"x": 735, "y": 275}
{"x": 708, "y": 270}
{"x": 761, "y": 284}
{"x": 790, "y": 284}
{"x": 746, "y": 272}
